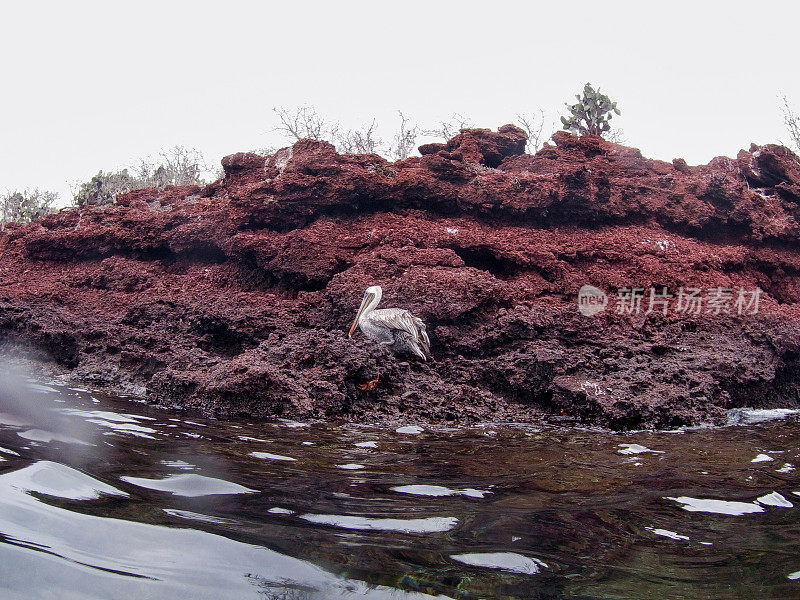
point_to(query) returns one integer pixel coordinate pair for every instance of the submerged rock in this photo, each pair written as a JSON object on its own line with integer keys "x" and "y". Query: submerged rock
{"x": 236, "y": 298}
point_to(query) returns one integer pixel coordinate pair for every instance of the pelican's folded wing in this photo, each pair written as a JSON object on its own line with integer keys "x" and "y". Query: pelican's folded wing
{"x": 403, "y": 320}
{"x": 424, "y": 341}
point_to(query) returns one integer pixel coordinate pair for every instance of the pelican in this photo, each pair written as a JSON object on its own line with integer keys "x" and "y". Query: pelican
{"x": 393, "y": 327}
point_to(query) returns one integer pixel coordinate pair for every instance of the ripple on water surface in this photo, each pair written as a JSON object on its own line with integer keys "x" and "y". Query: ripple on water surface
{"x": 270, "y": 456}
{"x": 189, "y": 485}
{"x": 424, "y": 525}
{"x": 489, "y": 511}
{"x": 438, "y": 491}
{"x": 48, "y": 548}
{"x": 55, "y": 479}
{"x": 721, "y": 507}
{"x": 505, "y": 561}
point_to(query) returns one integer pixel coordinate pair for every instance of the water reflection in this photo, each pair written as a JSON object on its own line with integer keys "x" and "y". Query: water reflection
{"x": 54, "y": 479}
{"x": 189, "y": 485}
{"x": 774, "y": 499}
{"x": 720, "y": 507}
{"x": 270, "y": 456}
{"x": 425, "y": 525}
{"x": 668, "y": 534}
{"x": 111, "y": 558}
{"x": 438, "y": 491}
{"x": 505, "y": 561}
{"x": 113, "y": 499}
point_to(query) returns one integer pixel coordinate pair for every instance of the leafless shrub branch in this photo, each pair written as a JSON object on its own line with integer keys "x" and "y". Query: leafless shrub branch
{"x": 792, "y": 121}
{"x": 405, "y": 139}
{"x": 304, "y": 123}
{"x": 533, "y": 126}
{"x": 450, "y": 128}
{"x": 358, "y": 141}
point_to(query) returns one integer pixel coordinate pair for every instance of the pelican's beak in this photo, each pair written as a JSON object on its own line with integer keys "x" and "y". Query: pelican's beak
{"x": 364, "y": 303}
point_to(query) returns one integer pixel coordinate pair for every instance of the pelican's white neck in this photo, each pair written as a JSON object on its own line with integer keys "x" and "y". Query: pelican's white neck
{"x": 372, "y": 298}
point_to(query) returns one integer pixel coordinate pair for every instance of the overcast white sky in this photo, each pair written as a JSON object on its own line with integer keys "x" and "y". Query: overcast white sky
{"x": 98, "y": 85}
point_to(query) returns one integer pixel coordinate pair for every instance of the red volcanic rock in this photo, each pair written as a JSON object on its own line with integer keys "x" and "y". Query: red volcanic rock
{"x": 236, "y": 298}
{"x": 242, "y": 161}
{"x": 481, "y": 146}
{"x": 432, "y": 148}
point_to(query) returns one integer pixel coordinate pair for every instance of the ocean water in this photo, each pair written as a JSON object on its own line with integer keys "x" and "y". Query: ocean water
{"x": 105, "y": 497}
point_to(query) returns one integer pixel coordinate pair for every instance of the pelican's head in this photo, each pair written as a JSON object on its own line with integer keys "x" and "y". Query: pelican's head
{"x": 371, "y": 298}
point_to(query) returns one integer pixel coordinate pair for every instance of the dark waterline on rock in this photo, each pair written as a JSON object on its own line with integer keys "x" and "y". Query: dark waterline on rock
{"x": 109, "y": 498}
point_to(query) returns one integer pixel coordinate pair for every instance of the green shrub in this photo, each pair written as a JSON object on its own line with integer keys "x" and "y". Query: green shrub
{"x": 592, "y": 113}
{"x": 24, "y": 207}
{"x": 178, "y": 166}
{"x": 103, "y": 188}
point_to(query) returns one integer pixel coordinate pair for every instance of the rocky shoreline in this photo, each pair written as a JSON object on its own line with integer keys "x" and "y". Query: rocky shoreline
{"x": 236, "y": 298}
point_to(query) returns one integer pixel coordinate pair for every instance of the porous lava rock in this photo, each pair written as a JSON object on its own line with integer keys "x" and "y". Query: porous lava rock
{"x": 236, "y": 298}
